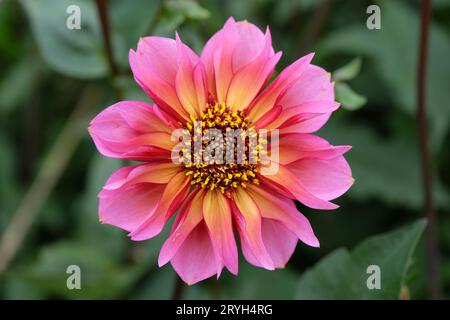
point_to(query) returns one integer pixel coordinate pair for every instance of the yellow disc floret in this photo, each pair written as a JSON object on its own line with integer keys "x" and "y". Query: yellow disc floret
{"x": 238, "y": 164}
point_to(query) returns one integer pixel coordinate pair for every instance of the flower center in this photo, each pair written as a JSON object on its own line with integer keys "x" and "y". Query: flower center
{"x": 223, "y": 149}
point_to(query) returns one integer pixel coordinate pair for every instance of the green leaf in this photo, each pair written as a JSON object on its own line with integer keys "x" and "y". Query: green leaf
{"x": 176, "y": 12}
{"x": 17, "y": 84}
{"x": 76, "y": 53}
{"x": 348, "y": 98}
{"x": 393, "y": 50}
{"x": 343, "y": 274}
{"x": 129, "y": 22}
{"x": 100, "y": 276}
{"x": 349, "y": 71}
{"x": 188, "y": 8}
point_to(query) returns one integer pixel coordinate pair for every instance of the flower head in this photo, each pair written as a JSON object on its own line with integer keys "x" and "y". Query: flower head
{"x": 244, "y": 152}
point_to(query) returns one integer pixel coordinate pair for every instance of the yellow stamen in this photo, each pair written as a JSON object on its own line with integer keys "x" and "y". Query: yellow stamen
{"x": 205, "y": 172}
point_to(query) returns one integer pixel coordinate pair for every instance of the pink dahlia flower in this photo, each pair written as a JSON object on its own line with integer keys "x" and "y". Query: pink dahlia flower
{"x": 227, "y": 86}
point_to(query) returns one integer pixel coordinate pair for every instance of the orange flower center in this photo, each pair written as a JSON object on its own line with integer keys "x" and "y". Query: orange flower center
{"x": 223, "y": 150}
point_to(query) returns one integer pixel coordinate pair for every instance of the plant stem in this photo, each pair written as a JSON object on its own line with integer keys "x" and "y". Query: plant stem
{"x": 315, "y": 25}
{"x": 427, "y": 175}
{"x": 102, "y": 9}
{"x": 103, "y": 14}
{"x": 178, "y": 289}
{"x": 46, "y": 179}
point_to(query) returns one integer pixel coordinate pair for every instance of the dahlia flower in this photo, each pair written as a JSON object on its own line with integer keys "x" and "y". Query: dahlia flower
{"x": 227, "y": 87}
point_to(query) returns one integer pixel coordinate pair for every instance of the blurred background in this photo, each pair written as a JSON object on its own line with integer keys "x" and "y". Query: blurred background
{"x": 54, "y": 79}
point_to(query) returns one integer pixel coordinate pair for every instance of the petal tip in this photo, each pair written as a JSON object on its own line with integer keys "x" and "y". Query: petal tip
{"x": 315, "y": 243}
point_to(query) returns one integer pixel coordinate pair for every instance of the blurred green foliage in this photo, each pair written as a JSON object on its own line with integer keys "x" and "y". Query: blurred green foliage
{"x": 46, "y": 67}
{"x": 343, "y": 275}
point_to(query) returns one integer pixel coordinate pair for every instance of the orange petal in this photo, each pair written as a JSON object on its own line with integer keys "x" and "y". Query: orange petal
{"x": 190, "y": 80}
{"x": 217, "y": 215}
{"x": 249, "y": 226}
{"x": 187, "y": 219}
{"x": 283, "y": 210}
{"x": 174, "y": 193}
{"x": 248, "y": 81}
{"x": 266, "y": 100}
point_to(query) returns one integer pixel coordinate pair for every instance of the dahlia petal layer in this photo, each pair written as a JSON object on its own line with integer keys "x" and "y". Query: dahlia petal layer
{"x": 227, "y": 87}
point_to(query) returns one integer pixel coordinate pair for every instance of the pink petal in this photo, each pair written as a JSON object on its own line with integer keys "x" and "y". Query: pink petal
{"x": 290, "y": 116}
{"x": 217, "y": 215}
{"x": 131, "y": 130}
{"x": 158, "y": 173}
{"x": 194, "y": 260}
{"x": 187, "y": 219}
{"x": 115, "y": 206}
{"x": 307, "y": 101}
{"x": 155, "y": 66}
{"x": 325, "y": 178}
{"x": 248, "y": 220}
{"x": 312, "y": 98}
{"x": 228, "y": 51}
{"x": 267, "y": 99}
{"x": 269, "y": 117}
{"x": 249, "y": 80}
{"x": 251, "y": 41}
{"x": 280, "y": 242}
{"x": 223, "y": 61}
{"x": 286, "y": 182}
{"x": 174, "y": 193}
{"x": 118, "y": 178}
{"x": 313, "y": 85}
{"x": 305, "y": 123}
{"x": 283, "y": 210}
{"x": 191, "y": 86}
{"x": 293, "y": 147}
